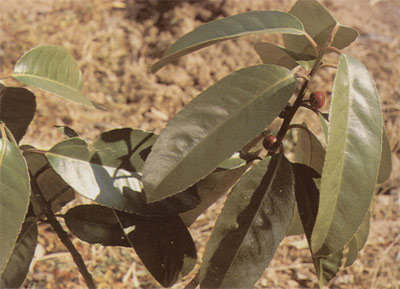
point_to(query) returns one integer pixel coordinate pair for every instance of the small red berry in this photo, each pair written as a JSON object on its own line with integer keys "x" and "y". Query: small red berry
{"x": 271, "y": 143}
{"x": 317, "y": 99}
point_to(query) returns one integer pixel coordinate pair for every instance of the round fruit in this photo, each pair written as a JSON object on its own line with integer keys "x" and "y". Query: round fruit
{"x": 317, "y": 99}
{"x": 270, "y": 143}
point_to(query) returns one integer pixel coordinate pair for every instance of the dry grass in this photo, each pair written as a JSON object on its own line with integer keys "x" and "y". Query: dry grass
{"x": 115, "y": 43}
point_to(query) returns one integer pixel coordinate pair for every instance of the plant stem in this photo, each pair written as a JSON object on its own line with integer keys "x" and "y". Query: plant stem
{"x": 44, "y": 205}
{"x": 286, "y": 122}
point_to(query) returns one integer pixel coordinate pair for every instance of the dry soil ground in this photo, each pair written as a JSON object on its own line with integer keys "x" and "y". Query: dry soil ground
{"x": 116, "y": 41}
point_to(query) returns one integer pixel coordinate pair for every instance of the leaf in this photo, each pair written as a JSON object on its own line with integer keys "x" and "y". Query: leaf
{"x": 122, "y": 147}
{"x": 253, "y": 22}
{"x": 51, "y": 185}
{"x": 355, "y": 138}
{"x": 250, "y": 227}
{"x": 67, "y": 131}
{"x": 295, "y": 226}
{"x": 318, "y": 23}
{"x": 53, "y": 69}
{"x": 217, "y": 123}
{"x": 233, "y": 162}
{"x": 309, "y": 150}
{"x": 274, "y": 54}
{"x": 385, "y": 167}
{"x": 327, "y": 267}
{"x": 108, "y": 185}
{"x": 17, "y": 109}
{"x": 18, "y": 266}
{"x": 163, "y": 243}
{"x": 212, "y": 188}
{"x": 325, "y": 126}
{"x": 14, "y": 197}
{"x": 358, "y": 241}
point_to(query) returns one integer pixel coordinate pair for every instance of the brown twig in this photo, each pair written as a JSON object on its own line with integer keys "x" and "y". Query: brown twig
{"x": 45, "y": 207}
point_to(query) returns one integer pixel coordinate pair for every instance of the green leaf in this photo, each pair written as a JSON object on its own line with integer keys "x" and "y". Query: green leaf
{"x": 359, "y": 240}
{"x": 232, "y": 27}
{"x": 14, "y": 197}
{"x": 18, "y": 266}
{"x": 163, "y": 243}
{"x": 318, "y": 23}
{"x": 327, "y": 267}
{"x": 117, "y": 188}
{"x": 53, "y": 69}
{"x": 217, "y": 123}
{"x": 17, "y": 109}
{"x": 51, "y": 185}
{"x": 385, "y": 167}
{"x": 274, "y": 54}
{"x": 250, "y": 227}
{"x": 122, "y": 147}
{"x": 325, "y": 126}
{"x": 309, "y": 150}
{"x": 67, "y": 131}
{"x": 352, "y": 158}
{"x": 211, "y": 188}
{"x": 233, "y": 162}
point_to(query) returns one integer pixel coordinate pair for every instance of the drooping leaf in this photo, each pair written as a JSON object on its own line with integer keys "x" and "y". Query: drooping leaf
{"x": 358, "y": 241}
{"x": 355, "y": 137}
{"x": 217, "y": 123}
{"x": 53, "y": 69}
{"x": 210, "y": 189}
{"x": 295, "y": 226}
{"x": 114, "y": 187}
{"x": 385, "y": 167}
{"x": 309, "y": 150}
{"x": 163, "y": 243}
{"x": 51, "y": 185}
{"x": 17, "y": 108}
{"x": 17, "y": 267}
{"x": 318, "y": 23}
{"x": 122, "y": 147}
{"x": 14, "y": 197}
{"x": 253, "y": 22}
{"x": 67, "y": 131}
{"x": 327, "y": 267}
{"x": 274, "y": 54}
{"x": 250, "y": 227}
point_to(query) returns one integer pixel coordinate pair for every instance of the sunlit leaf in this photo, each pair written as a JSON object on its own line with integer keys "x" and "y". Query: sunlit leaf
{"x": 211, "y": 188}
{"x": 309, "y": 150}
{"x": 20, "y": 260}
{"x": 233, "y": 162}
{"x": 250, "y": 227}
{"x": 355, "y": 137}
{"x": 358, "y": 241}
{"x": 325, "y": 127}
{"x": 17, "y": 108}
{"x": 67, "y": 131}
{"x": 163, "y": 243}
{"x": 327, "y": 267}
{"x": 51, "y": 185}
{"x": 217, "y": 123}
{"x": 385, "y": 167}
{"x": 53, "y": 69}
{"x": 274, "y": 54}
{"x": 318, "y": 23}
{"x": 253, "y": 22}
{"x": 14, "y": 197}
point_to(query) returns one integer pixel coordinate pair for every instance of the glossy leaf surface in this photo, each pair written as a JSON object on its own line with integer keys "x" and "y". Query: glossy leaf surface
{"x": 53, "y": 69}
{"x": 217, "y": 123}
{"x": 309, "y": 150}
{"x": 14, "y": 197}
{"x": 232, "y": 27}
{"x": 17, "y": 109}
{"x": 18, "y": 266}
{"x": 163, "y": 243}
{"x": 355, "y": 136}
{"x": 358, "y": 241}
{"x": 250, "y": 227}
{"x": 318, "y": 23}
